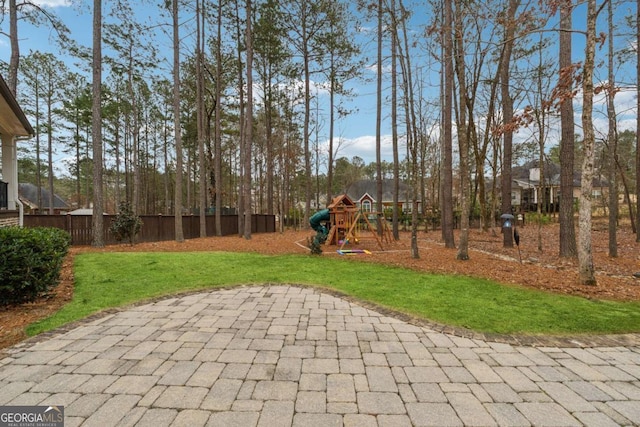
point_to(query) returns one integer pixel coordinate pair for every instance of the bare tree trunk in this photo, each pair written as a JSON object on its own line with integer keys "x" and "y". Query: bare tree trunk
{"x": 394, "y": 127}
{"x": 413, "y": 138}
{"x": 241, "y": 107}
{"x": 568, "y": 247}
{"x": 96, "y": 114}
{"x": 379, "y": 109}
{"x": 271, "y": 201}
{"x": 463, "y": 141}
{"x": 218, "y": 123}
{"x": 78, "y": 168}
{"x": 38, "y": 145}
{"x": 165, "y": 153}
{"x": 332, "y": 119}
{"x": 307, "y": 116}
{"x": 507, "y": 113}
{"x": 613, "y": 143}
{"x": 627, "y": 194}
{"x": 50, "y": 92}
{"x": 540, "y": 119}
{"x": 480, "y": 155}
{"x": 178, "y": 131}
{"x": 248, "y": 136}
{"x": 447, "y": 132}
{"x": 14, "y": 61}
{"x": 585, "y": 255}
{"x": 494, "y": 186}
{"x": 200, "y": 119}
{"x": 541, "y": 189}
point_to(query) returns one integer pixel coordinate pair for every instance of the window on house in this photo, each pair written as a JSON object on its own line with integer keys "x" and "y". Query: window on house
{"x": 4, "y": 195}
{"x": 366, "y": 206}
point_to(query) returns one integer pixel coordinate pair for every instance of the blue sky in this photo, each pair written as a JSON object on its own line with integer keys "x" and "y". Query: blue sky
{"x": 357, "y": 132}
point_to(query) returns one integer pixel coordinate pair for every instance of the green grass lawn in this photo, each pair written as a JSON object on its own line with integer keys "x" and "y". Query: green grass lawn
{"x": 106, "y": 280}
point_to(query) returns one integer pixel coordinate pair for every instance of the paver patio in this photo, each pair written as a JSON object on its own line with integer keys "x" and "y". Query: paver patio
{"x": 287, "y": 355}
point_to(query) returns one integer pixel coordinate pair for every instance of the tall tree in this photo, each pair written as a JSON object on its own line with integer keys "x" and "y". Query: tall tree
{"x": 96, "y": 126}
{"x": 394, "y": 128}
{"x": 343, "y": 66}
{"x": 612, "y": 138}
{"x": 446, "y": 190}
{"x": 542, "y": 77}
{"x": 248, "y": 125}
{"x": 507, "y": 114}
{"x": 134, "y": 57}
{"x": 585, "y": 256}
{"x": 15, "y": 47}
{"x": 217, "y": 155}
{"x": 179, "y": 234}
{"x": 51, "y": 69}
{"x": 240, "y": 48}
{"x": 77, "y": 111}
{"x": 268, "y": 54}
{"x": 568, "y": 247}
{"x": 273, "y": 64}
{"x": 463, "y": 137}
{"x": 410, "y": 106}
{"x": 625, "y": 163}
{"x": 306, "y": 22}
{"x": 32, "y": 71}
{"x": 112, "y": 114}
{"x": 35, "y": 14}
{"x": 200, "y": 113}
{"x": 379, "y": 105}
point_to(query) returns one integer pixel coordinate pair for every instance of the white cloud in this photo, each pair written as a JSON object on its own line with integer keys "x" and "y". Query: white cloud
{"x": 363, "y": 147}
{"x": 52, "y": 3}
{"x": 626, "y": 101}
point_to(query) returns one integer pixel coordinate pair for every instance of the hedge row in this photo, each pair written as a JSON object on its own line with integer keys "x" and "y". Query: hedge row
{"x": 30, "y": 262}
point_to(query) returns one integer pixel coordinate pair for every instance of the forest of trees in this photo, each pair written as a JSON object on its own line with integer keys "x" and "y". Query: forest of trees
{"x": 211, "y": 104}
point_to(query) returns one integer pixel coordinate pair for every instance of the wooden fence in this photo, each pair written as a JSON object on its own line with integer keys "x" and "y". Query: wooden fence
{"x": 155, "y": 228}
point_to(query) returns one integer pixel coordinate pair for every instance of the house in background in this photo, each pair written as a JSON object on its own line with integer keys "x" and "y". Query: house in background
{"x": 29, "y": 197}
{"x": 13, "y": 124}
{"x": 527, "y": 188}
{"x": 364, "y": 193}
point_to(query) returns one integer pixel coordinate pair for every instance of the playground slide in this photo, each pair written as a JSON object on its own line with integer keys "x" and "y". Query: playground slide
{"x": 317, "y": 221}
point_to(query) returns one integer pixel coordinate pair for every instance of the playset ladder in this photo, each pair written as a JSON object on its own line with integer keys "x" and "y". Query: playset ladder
{"x": 331, "y": 235}
{"x": 382, "y": 223}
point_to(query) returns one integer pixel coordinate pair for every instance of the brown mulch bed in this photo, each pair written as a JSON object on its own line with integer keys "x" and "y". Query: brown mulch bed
{"x": 524, "y": 265}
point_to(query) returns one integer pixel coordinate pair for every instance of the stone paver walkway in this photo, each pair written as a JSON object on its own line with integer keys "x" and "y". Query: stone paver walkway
{"x": 286, "y": 355}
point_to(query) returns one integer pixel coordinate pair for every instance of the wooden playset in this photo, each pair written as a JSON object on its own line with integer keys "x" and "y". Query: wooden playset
{"x": 346, "y": 221}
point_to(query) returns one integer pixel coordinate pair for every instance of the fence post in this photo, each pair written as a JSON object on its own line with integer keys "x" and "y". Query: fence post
{"x": 67, "y": 227}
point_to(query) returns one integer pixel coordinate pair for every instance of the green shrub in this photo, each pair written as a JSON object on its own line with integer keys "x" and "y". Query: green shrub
{"x": 535, "y": 218}
{"x": 314, "y": 243}
{"x": 126, "y": 225}
{"x": 30, "y": 262}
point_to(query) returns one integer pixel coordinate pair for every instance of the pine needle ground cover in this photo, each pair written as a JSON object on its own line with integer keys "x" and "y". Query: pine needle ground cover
{"x": 115, "y": 279}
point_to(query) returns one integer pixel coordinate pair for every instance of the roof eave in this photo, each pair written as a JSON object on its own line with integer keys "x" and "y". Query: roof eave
{"x": 10, "y": 99}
